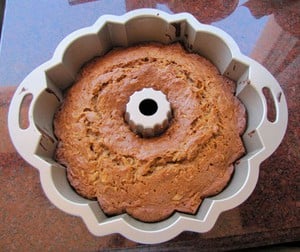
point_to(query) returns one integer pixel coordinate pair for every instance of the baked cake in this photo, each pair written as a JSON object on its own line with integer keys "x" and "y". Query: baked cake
{"x": 150, "y": 178}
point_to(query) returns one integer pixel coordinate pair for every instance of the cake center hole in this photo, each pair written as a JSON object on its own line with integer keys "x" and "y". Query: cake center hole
{"x": 148, "y": 107}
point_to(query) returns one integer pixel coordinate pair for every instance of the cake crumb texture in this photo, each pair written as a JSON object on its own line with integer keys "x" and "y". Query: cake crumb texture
{"x": 150, "y": 178}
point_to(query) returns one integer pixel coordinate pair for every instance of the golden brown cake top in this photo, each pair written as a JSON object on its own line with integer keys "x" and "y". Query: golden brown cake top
{"x": 150, "y": 178}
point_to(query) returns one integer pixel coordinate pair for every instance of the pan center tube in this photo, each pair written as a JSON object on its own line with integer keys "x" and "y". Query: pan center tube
{"x": 148, "y": 112}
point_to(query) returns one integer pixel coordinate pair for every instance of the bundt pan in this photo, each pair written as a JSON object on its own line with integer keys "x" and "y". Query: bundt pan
{"x": 36, "y": 143}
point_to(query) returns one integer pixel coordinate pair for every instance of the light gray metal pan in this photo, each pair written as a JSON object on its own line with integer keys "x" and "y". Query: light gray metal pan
{"x": 36, "y": 143}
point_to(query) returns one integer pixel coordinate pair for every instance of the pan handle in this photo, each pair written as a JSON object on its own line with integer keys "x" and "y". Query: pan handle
{"x": 25, "y": 139}
{"x": 271, "y": 132}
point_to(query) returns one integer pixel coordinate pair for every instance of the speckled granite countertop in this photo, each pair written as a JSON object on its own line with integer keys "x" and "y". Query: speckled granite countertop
{"x": 267, "y": 31}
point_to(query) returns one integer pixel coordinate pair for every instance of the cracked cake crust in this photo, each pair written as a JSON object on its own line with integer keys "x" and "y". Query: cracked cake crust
{"x": 150, "y": 178}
